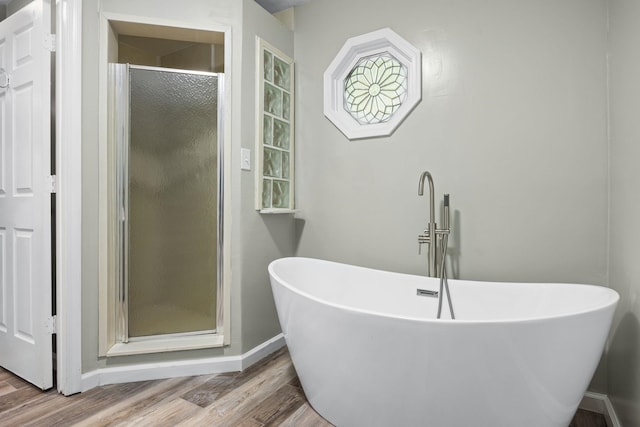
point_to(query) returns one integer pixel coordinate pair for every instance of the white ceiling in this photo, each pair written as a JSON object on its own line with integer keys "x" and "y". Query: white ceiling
{"x": 278, "y": 5}
{"x": 271, "y": 5}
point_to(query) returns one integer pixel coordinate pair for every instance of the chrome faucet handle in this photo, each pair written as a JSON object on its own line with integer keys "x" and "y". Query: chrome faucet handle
{"x": 445, "y": 230}
{"x": 446, "y": 218}
{"x": 422, "y": 239}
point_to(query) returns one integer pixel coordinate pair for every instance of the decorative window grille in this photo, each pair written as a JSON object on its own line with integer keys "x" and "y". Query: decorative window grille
{"x": 375, "y": 88}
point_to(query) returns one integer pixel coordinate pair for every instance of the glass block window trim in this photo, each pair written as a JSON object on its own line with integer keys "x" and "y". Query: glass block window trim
{"x": 275, "y": 126}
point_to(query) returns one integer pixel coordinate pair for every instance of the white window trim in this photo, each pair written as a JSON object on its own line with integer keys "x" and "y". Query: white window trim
{"x": 354, "y": 49}
{"x": 69, "y": 195}
{"x": 261, "y": 46}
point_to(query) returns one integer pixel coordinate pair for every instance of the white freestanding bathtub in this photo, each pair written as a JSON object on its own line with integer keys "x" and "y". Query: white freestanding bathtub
{"x": 370, "y": 352}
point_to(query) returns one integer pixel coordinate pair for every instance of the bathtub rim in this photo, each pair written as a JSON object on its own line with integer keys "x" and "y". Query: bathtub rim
{"x": 611, "y": 302}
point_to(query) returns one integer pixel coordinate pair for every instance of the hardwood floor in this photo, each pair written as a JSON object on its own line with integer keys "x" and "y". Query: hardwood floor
{"x": 588, "y": 419}
{"x": 266, "y": 394}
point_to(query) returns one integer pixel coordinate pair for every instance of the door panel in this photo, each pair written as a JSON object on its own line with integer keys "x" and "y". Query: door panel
{"x": 22, "y": 116}
{"x": 25, "y": 198}
{"x": 3, "y": 282}
{"x": 23, "y": 284}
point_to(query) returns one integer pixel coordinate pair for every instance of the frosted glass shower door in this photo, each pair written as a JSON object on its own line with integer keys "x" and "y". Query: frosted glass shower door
{"x": 171, "y": 201}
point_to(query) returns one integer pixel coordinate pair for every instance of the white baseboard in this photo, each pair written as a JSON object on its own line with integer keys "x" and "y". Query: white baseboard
{"x": 600, "y": 403}
{"x": 180, "y": 368}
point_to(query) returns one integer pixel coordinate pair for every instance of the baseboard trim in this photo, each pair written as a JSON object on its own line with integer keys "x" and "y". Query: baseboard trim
{"x": 180, "y": 368}
{"x": 600, "y": 403}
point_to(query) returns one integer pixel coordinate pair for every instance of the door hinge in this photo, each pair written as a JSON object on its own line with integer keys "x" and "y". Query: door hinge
{"x": 53, "y": 184}
{"x": 52, "y": 324}
{"x": 50, "y": 42}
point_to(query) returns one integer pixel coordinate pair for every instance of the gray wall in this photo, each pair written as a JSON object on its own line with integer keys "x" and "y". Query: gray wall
{"x": 254, "y": 241}
{"x": 264, "y": 237}
{"x": 12, "y": 7}
{"x": 15, "y": 5}
{"x": 514, "y": 127}
{"x": 624, "y": 352}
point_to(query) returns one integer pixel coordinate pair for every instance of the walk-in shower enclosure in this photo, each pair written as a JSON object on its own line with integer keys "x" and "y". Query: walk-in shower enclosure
{"x": 168, "y": 201}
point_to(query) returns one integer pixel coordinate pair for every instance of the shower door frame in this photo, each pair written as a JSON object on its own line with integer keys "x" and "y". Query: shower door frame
{"x": 123, "y": 141}
{"x": 114, "y": 340}
{"x": 111, "y": 26}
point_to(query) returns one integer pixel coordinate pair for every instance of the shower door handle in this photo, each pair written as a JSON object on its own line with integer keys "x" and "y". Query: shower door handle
{"x": 4, "y": 79}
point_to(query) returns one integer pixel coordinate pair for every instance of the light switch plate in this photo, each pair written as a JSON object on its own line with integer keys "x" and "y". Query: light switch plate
{"x": 245, "y": 156}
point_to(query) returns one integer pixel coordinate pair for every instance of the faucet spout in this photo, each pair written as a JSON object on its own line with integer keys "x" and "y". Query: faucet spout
{"x": 432, "y": 209}
{"x": 430, "y": 233}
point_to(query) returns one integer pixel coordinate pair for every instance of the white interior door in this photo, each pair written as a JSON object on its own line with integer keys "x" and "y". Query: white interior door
{"x": 25, "y": 195}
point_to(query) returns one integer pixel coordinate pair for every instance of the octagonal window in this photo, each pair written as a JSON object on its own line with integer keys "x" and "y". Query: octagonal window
{"x": 372, "y": 84}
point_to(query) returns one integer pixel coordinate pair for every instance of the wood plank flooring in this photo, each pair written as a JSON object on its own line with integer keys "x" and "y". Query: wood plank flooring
{"x": 266, "y": 394}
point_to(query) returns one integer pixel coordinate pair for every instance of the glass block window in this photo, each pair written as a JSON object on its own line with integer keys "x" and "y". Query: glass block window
{"x": 375, "y": 89}
{"x": 275, "y": 142}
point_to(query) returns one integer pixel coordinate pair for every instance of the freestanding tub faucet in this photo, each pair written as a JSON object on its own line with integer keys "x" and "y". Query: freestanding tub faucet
{"x": 437, "y": 239}
{"x": 433, "y": 236}
{"x": 429, "y": 233}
